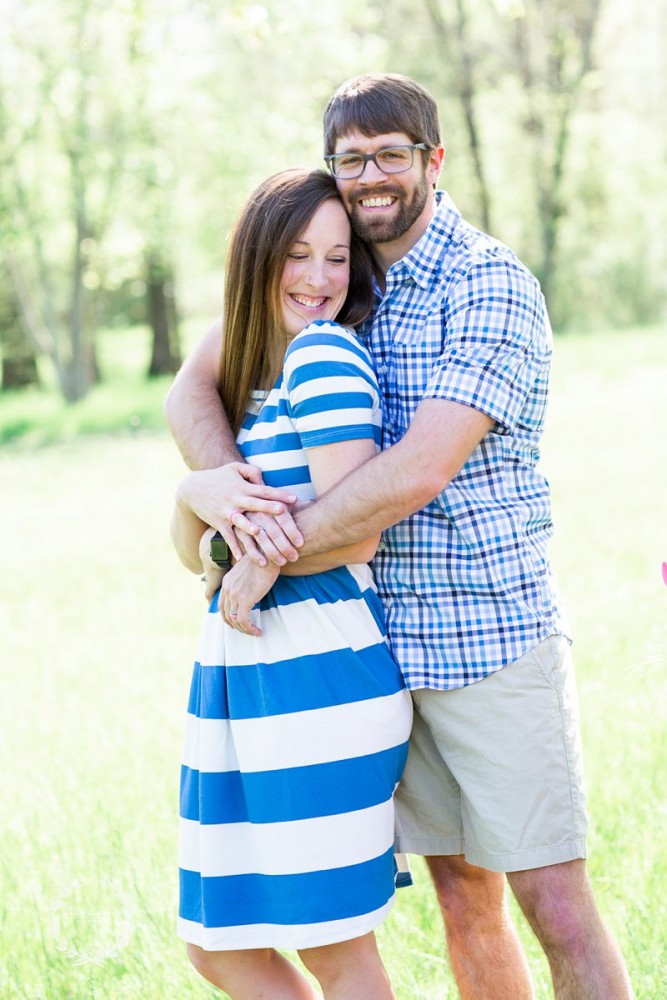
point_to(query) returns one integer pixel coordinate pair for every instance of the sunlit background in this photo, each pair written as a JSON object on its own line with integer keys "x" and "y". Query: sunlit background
{"x": 131, "y": 131}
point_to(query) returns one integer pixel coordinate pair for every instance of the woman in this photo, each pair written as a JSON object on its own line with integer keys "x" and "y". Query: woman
{"x": 297, "y": 733}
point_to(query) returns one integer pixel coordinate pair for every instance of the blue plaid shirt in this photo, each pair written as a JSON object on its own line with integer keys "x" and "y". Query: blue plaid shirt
{"x": 466, "y": 580}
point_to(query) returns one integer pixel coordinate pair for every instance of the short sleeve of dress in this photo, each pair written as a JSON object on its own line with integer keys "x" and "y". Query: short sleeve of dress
{"x": 497, "y": 342}
{"x": 330, "y": 387}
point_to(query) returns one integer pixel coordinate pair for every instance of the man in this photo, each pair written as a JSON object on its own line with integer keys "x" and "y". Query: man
{"x": 462, "y": 347}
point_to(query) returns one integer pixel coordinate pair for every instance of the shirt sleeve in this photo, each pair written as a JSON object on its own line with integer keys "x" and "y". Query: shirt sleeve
{"x": 497, "y": 341}
{"x": 331, "y": 388}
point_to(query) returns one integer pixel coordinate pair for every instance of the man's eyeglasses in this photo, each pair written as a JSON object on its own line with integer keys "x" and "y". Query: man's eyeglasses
{"x": 391, "y": 160}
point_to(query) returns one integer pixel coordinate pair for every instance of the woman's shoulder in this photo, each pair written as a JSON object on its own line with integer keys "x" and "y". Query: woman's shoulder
{"x": 326, "y": 336}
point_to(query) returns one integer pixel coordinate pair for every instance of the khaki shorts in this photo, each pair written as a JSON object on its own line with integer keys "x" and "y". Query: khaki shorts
{"x": 494, "y": 770}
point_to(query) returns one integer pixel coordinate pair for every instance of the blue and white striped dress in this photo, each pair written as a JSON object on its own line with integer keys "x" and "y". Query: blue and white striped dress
{"x": 295, "y": 739}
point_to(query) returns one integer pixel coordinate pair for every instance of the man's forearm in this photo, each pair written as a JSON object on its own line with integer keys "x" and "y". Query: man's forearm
{"x": 397, "y": 482}
{"x": 199, "y": 426}
{"x": 368, "y": 500}
{"x": 194, "y": 411}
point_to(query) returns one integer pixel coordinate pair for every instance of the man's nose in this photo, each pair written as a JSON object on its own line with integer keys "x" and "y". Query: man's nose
{"x": 371, "y": 173}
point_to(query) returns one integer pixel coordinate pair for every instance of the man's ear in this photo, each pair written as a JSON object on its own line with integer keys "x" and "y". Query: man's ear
{"x": 436, "y": 158}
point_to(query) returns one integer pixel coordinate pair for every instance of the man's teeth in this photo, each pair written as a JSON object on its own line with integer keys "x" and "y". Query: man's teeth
{"x": 303, "y": 300}
{"x": 376, "y": 202}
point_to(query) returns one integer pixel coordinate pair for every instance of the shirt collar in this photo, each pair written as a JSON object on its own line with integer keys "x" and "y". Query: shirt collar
{"x": 424, "y": 260}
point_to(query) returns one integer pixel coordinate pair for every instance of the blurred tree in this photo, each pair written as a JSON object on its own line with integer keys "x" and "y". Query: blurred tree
{"x": 150, "y": 183}
{"x": 162, "y": 316}
{"x": 522, "y": 62}
{"x": 66, "y": 131}
{"x": 131, "y": 133}
{"x": 19, "y": 360}
{"x": 73, "y": 87}
{"x": 551, "y": 51}
{"x": 451, "y": 32}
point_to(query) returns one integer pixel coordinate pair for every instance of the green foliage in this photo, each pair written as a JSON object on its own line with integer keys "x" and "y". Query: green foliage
{"x": 123, "y": 402}
{"x": 98, "y": 623}
{"x": 133, "y": 127}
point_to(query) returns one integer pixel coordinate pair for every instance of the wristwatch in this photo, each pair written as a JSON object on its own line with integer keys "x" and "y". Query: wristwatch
{"x": 220, "y": 551}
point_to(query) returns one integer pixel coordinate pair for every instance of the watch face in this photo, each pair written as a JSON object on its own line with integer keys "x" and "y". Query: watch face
{"x": 219, "y": 550}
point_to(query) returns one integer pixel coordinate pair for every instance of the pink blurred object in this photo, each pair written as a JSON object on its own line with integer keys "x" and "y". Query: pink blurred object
{"x": 664, "y": 572}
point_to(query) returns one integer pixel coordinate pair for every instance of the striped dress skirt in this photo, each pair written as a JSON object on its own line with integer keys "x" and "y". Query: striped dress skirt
{"x": 295, "y": 742}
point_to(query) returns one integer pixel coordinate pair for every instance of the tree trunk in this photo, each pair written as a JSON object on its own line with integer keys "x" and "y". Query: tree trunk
{"x": 553, "y": 55}
{"x": 19, "y": 361}
{"x": 162, "y": 318}
{"x": 453, "y": 41}
{"x": 80, "y": 370}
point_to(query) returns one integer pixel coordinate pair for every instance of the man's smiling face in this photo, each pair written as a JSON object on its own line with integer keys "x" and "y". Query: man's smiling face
{"x": 384, "y": 207}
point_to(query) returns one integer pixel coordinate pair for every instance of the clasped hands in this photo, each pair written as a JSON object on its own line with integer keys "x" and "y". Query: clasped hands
{"x": 256, "y": 522}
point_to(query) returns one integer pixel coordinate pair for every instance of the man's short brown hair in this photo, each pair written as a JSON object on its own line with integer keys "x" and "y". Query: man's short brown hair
{"x": 375, "y": 103}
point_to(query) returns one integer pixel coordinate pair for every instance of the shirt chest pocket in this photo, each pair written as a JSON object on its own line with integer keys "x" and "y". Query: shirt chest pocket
{"x": 416, "y": 349}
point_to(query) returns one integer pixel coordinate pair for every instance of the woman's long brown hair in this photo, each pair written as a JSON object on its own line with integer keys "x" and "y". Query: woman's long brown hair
{"x": 253, "y": 338}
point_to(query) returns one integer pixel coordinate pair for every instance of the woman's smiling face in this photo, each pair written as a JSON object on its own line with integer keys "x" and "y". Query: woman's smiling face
{"x": 316, "y": 275}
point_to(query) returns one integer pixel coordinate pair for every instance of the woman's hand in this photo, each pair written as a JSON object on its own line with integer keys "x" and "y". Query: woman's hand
{"x": 242, "y": 587}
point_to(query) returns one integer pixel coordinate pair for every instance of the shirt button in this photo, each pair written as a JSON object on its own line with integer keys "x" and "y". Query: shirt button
{"x": 383, "y": 369}
{"x": 382, "y": 546}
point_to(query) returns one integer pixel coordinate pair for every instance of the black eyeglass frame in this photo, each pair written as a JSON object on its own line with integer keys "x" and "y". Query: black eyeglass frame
{"x": 365, "y": 157}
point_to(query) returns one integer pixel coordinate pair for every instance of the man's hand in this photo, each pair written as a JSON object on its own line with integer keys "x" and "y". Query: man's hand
{"x": 275, "y": 538}
{"x": 220, "y": 497}
{"x": 242, "y": 587}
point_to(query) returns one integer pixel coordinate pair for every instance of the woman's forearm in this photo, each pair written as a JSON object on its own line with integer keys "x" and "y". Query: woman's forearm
{"x": 186, "y": 532}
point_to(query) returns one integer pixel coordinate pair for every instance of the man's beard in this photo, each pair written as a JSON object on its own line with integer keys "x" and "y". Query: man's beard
{"x": 380, "y": 229}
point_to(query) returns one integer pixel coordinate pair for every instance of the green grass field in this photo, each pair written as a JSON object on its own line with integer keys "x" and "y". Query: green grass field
{"x": 97, "y": 629}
